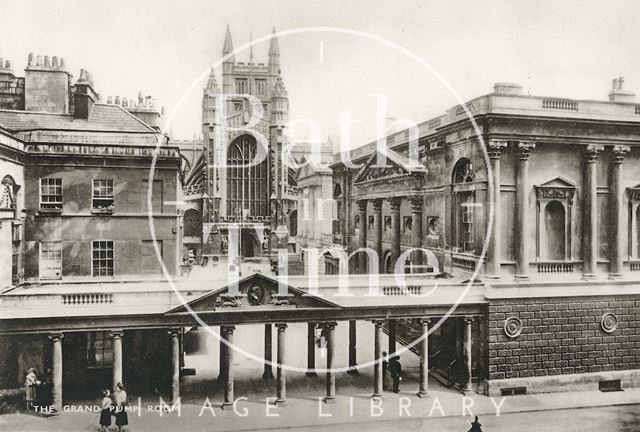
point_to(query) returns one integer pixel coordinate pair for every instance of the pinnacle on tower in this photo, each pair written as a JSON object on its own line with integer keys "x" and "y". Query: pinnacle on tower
{"x": 212, "y": 84}
{"x": 228, "y": 45}
{"x": 273, "y": 46}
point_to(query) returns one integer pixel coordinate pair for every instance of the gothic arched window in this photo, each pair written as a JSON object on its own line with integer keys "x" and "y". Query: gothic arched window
{"x": 247, "y": 194}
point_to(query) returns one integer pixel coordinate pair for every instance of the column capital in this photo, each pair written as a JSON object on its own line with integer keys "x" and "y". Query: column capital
{"x": 469, "y": 319}
{"x": 116, "y": 334}
{"x": 377, "y": 205}
{"x": 416, "y": 203}
{"x": 378, "y": 322}
{"x": 495, "y": 148}
{"x": 394, "y": 203}
{"x": 592, "y": 152}
{"x": 524, "y": 149}
{"x": 281, "y": 326}
{"x": 227, "y": 329}
{"x": 55, "y": 337}
{"x": 426, "y": 321}
{"x": 620, "y": 151}
{"x": 362, "y": 205}
{"x": 173, "y": 331}
{"x": 330, "y": 325}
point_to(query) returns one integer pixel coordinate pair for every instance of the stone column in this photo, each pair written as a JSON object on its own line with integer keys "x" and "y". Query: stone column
{"x": 377, "y": 358}
{"x": 175, "y": 364}
{"x": 311, "y": 350}
{"x": 590, "y": 218}
{"x": 56, "y": 339}
{"x": 362, "y": 235}
{"x": 394, "y": 204}
{"x": 222, "y": 372}
{"x": 494, "y": 253}
{"x": 467, "y": 353}
{"x": 280, "y": 370}
{"x": 353, "y": 362}
{"x": 331, "y": 345}
{"x": 416, "y": 230}
{"x": 377, "y": 232}
{"x": 424, "y": 358}
{"x": 617, "y": 228}
{"x": 227, "y": 334}
{"x": 116, "y": 340}
{"x": 268, "y": 353}
{"x": 392, "y": 337}
{"x": 524, "y": 150}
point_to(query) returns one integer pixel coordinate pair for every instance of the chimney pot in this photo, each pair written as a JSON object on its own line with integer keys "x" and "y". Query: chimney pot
{"x": 1, "y": 62}
{"x": 30, "y": 61}
{"x": 47, "y": 62}
{"x": 39, "y": 61}
{"x": 8, "y": 64}
{"x": 117, "y": 100}
{"x": 125, "y": 102}
{"x": 109, "y": 100}
{"x": 54, "y": 61}
{"x": 62, "y": 62}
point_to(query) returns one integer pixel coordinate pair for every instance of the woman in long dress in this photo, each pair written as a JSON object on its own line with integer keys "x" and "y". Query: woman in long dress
{"x": 120, "y": 399}
{"x": 30, "y": 387}
{"x": 105, "y": 414}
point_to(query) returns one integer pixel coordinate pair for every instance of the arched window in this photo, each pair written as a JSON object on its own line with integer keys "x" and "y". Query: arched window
{"x": 247, "y": 194}
{"x": 463, "y": 206}
{"x": 338, "y": 216}
{"x": 8, "y": 189}
{"x": 637, "y": 252}
{"x": 463, "y": 171}
{"x": 293, "y": 223}
{"x": 192, "y": 223}
{"x": 555, "y": 229}
{"x": 388, "y": 263}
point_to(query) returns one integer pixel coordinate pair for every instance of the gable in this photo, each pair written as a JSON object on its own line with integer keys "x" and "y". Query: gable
{"x": 255, "y": 292}
{"x": 395, "y": 165}
{"x": 558, "y": 182}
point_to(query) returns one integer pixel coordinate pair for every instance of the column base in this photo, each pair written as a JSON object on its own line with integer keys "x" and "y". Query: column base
{"x": 376, "y": 395}
{"x": 280, "y": 402}
{"x": 521, "y": 277}
{"x": 615, "y": 276}
{"x": 422, "y": 394}
{"x": 267, "y": 375}
{"x": 589, "y": 276}
{"x": 329, "y": 399}
{"x": 226, "y": 404}
{"x": 353, "y": 371}
{"x": 311, "y": 374}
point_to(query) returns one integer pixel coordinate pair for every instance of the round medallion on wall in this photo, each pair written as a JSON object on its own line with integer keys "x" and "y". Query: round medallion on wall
{"x": 256, "y": 295}
{"x": 609, "y": 322}
{"x": 512, "y": 327}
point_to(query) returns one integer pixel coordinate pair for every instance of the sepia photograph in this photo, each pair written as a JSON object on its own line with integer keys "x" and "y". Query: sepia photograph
{"x": 357, "y": 215}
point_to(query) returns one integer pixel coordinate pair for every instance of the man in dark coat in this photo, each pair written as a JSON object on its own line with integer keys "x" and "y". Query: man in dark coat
{"x": 395, "y": 369}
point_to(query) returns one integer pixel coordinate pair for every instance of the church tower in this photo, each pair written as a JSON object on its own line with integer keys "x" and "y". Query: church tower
{"x": 259, "y": 197}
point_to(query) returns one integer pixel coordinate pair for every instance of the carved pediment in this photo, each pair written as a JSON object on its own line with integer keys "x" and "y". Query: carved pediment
{"x": 557, "y": 188}
{"x": 255, "y": 291}
{"x": 393, "y": 165}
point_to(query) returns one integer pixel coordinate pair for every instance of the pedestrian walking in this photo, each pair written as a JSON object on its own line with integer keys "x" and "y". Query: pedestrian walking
{"x": 385, "y": 366}
{"x": 121, "y": 401}
{"x": 105, "y": 413}
{"x": 475, "y": 426}
{"x": 395, "y": 369}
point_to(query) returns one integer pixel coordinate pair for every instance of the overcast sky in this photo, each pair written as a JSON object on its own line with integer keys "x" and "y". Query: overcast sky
{"x": 568, "y": 49}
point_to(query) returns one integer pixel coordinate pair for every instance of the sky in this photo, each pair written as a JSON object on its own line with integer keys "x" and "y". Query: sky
{"x": 566, "y": 49}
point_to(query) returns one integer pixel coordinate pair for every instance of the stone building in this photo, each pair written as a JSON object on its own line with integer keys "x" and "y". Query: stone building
{"x": 538, "y": 204}
{"x": 74, "y": 214}
{"x": 226, "y": 187}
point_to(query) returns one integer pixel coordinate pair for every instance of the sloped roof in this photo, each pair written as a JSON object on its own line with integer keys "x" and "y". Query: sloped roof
{"x": 103, "y": 118}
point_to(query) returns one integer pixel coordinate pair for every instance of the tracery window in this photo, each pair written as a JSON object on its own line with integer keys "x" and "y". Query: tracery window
{"x": 247, "y": 194}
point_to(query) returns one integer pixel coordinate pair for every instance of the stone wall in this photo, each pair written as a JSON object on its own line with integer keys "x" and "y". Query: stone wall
{"x": 563, "y": 335}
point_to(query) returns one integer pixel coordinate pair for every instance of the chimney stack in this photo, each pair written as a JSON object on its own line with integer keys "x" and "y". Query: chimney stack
{"x": 618, "y": 93}
{"x": 84, "y": 96}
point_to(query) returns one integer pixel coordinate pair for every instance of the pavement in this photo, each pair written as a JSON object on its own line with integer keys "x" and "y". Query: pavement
{"x": 353, "y": 408}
